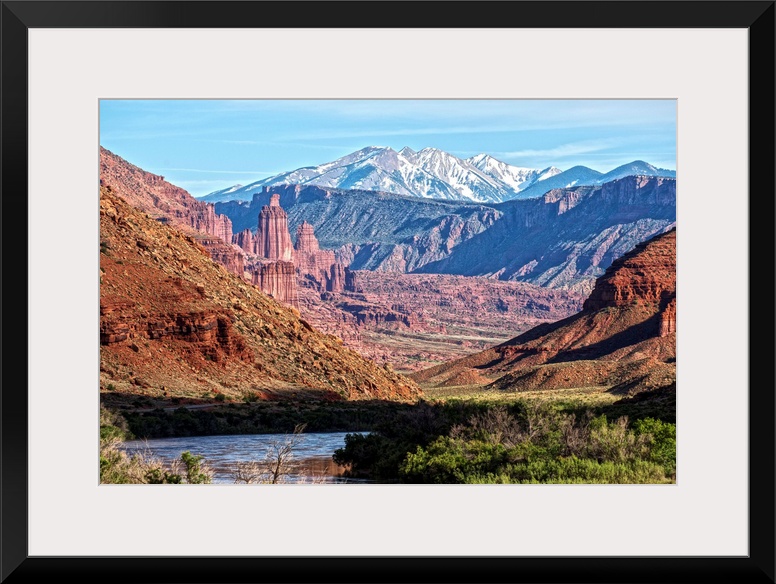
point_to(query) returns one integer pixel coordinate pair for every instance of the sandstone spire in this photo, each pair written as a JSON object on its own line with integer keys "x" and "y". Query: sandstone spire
{"x": 273, "y": 241}
{"x": 305, "y": 238}
{"x": 244, "y": 239}
{"x": 320, "y": 264}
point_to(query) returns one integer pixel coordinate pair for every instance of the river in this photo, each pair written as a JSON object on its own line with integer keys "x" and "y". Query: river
{"x": 310, "y": 461}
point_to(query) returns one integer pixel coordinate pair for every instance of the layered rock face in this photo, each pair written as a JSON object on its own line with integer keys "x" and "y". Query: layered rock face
{"x": 275, "y": 273}
{"x": 315, "y": 264}
{"x": 273, "y": 240}
{"x": 245, "y": 240}
{"x": 640, "y": 190}
{"x": 308, "y": 256}
{"x": 278, "y": 279}
{"x": 335, "y": 282}
{"x": 218, "y": 225}
{"x": 212, "y": 332}
{"x": 647, "y": 274}
{"x": 170, "y": 204}
{"x": 668, "y": 318}
{"x": 173, "y": 324}
{"x": 306, "y": 242}
{"x": 625, "y": 336}
{"x": 351, "y": 281}
{"x": 223, "y": 254}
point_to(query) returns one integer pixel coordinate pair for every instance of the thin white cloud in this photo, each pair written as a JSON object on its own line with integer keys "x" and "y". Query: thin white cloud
{"x": 268, "y": 173}
{"x": 570, "y": 149}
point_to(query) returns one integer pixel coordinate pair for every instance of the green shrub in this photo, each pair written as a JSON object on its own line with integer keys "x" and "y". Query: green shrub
{"x": 196, "y": 472}
{"x": 448, "y": 461}
{"x": 661, "y": 438}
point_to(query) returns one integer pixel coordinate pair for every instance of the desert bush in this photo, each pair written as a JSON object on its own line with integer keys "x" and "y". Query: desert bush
{"x": 197, "y": 473}
{"x": 119, "y": 467}
{"x": 615, "y": 442}
{"x": 277, "y": 464}
{"x": 113, "y": 425}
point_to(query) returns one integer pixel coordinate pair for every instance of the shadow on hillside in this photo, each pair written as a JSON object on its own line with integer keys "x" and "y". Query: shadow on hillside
{"x": 630, "y": 336}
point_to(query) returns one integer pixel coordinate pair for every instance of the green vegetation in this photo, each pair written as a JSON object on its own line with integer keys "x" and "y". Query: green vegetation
{"x": 523, "y": 442}
{"x": 118, "y": 467}
{"x": 577, "y": 436}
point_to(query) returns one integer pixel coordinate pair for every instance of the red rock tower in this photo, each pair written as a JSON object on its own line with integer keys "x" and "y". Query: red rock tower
{"x": 278, "y": 279}
{"x": 273, "y": 240}
{"x": 305, "y": 238}
{"x": 668, "y": 318}
{"x": 244, "y": 239}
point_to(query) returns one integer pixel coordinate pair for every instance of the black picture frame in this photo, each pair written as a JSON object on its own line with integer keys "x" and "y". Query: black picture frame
{"x": 756, "y": 16}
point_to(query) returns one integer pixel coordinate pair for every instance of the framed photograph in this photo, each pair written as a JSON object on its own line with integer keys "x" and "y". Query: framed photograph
{"x": 142, "y": 140}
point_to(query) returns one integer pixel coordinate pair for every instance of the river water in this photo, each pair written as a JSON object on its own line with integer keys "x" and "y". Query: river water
{"x": 310, "y": 461}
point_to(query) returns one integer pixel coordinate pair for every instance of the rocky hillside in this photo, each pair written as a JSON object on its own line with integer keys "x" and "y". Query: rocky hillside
{"x": 174, "y": 324}
{"x": 170, "y": 204}
{"x": 568, "y": 237}
{"x": 624, "y": 338}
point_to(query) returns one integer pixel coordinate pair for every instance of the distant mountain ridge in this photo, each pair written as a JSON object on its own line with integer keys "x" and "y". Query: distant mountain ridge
{"x": 580, "y": 176}
{"x": 567, "y": 237}
{"x": 564, "y": 239}
{"x": 435, "y": 174}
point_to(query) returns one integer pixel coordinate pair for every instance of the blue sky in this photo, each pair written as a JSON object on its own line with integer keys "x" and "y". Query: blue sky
{"x": 206, "y": 145}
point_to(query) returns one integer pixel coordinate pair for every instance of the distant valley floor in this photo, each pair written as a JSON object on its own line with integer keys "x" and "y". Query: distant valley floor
{"x": 414, "y": 321}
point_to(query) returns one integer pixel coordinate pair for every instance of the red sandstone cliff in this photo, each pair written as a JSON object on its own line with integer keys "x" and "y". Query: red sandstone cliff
{"x": 624, "y": 338}
{"x": 335, "y": 280}
{"x": 173, "y": 324}
{"x": 315, "y": 264}
{"x": 170, "y": 204}
{"x": 278, "y": 279}
{"x": 351, "y": 281}
{"x": 274, "y": 273}
{"x": 245, "y": 241}
{"x": 645, "y": 275}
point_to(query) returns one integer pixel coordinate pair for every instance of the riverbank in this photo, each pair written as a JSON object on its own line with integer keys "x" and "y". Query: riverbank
{"x": 304, "y": 458}
{"x": 169, "y": 419}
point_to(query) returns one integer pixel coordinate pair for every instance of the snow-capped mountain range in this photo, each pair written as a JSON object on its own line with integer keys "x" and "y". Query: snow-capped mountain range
{"x": 434, "y": 174}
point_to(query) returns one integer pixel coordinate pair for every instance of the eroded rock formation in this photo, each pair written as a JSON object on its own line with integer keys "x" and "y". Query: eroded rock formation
{"x": 647, "y": 274}
{"x": 273, "y": 240}
{"x": 335, "y": 282}
{"x": 351, "y": 281}
{"x": 315, "y": 265}
{"x": 278, "y": 279}
{"x": 224, "y": 254}
{"x": 668, "y": 318}
{"x": 245, "y": 240}
{"x": 623, "y": 338}
{"x": 218, "y": 225}
{"x": 176, "y": 326}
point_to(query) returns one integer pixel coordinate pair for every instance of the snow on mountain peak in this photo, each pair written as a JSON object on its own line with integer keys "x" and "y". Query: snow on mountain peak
{"x": 436, "y": 174}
